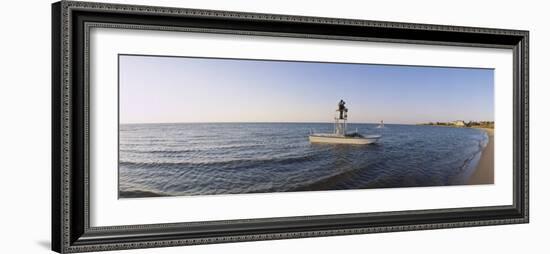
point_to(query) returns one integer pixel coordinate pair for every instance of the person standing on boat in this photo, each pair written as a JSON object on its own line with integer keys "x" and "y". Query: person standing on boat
{"x": 342, "y": 108}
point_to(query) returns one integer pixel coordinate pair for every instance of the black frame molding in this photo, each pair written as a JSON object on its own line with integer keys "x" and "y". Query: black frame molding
{"x": 71, "y": 22}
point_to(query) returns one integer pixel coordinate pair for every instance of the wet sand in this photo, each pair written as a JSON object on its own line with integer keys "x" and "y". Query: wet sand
{"x": 485, "y": 172}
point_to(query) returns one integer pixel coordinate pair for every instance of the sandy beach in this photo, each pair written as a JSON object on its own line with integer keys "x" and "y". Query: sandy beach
{"x": 485, "y": 172}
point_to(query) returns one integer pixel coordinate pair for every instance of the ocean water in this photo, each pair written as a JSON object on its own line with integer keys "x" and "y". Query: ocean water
{"x": 228, "y": 158}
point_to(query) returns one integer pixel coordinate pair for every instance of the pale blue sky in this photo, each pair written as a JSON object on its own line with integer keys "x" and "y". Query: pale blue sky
{"x": 178, "y": 89}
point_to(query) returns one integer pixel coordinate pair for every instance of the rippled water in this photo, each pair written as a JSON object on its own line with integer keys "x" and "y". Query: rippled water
{"x": 197, "y": 159}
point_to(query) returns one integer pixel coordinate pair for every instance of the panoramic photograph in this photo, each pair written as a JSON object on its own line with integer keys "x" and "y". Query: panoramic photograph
{"x": 208, "y": 126}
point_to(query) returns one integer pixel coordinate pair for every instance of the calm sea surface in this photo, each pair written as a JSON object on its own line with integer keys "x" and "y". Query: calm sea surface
{"x": 197, "y": 158}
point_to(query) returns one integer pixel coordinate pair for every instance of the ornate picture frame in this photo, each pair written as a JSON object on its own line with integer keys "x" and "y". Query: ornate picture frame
{"x": 71, "y": 206}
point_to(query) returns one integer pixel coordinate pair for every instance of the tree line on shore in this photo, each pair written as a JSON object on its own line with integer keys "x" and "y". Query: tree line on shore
{"x": 473, "y": 124}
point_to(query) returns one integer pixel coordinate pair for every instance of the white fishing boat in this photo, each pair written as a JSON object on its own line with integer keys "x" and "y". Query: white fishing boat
{"x": 340, "y": 134}
{"x": 381, "y": 125}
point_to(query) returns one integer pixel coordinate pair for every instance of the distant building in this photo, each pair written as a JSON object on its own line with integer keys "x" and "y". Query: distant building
{"x": 458, "y": 123}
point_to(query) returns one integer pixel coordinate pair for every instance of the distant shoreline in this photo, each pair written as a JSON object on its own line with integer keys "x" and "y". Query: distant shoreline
{"x": 462, "y": 124}
{"x": 453, "y": 126}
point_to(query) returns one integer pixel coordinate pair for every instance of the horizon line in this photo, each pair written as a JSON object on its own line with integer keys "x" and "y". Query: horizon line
{"x": 256, "y": 122}
{"x": 300, "y": 122}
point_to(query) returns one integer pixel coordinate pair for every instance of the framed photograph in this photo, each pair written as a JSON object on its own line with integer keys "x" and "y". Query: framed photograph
{"x": 182, "y": 126}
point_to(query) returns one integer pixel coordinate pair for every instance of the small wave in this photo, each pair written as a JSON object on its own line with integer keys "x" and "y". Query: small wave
{"x": 329, "y": 181}
{"x": 140, "y": 194}
{"x": 222, "y": 163}
{"x": 470, "y": 163}
{"x": 177, "y": 151}
{"x": 185, "y": 150}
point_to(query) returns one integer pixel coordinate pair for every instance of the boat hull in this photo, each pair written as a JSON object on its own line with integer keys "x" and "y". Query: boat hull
{"x": 344, "y": 140}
